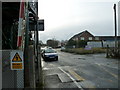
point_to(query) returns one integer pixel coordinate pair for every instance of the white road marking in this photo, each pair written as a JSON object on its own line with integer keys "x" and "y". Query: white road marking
{"x": 71, "y": 78}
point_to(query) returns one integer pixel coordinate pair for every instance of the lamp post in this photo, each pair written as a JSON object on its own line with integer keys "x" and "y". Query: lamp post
{"x": 115, "y": 21}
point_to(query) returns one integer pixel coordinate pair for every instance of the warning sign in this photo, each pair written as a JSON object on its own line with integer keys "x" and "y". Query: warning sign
{"x": 17, "y": 60}
{"x": 16, "y": 65}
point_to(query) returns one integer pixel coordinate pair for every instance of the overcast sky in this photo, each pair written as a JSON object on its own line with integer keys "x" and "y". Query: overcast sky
{"x": 65, "y": 18}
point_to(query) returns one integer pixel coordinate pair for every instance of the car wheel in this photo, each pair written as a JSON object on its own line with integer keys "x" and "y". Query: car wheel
{"x": 56, "y": 58}
{"x": 44, "y": 59}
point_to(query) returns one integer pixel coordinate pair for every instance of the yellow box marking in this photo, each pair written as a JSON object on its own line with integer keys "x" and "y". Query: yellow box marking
{"x": 76, "y": 75}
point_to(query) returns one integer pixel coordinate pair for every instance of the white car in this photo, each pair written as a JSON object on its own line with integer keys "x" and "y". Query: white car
{"x": 49, "y": 54}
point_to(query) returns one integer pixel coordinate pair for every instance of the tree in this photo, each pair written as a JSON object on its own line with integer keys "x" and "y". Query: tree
{"x": 78, "y": 44}
{"x": 71, "y": 43}
{"x": 63, "y": 42}
{"x": 52, "y": 43}
{"x": 82, "y": 43}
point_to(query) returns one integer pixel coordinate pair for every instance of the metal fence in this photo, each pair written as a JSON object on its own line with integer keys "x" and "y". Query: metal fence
{"x": 101, "y": 44}
{"x": 10, "y": 78}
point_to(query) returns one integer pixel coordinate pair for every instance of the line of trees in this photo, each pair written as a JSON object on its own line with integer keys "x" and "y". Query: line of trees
{"x": 69, "y": 44}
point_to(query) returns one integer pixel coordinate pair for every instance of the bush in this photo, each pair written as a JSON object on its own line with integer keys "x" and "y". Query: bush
{"x": 83, "y": 51}
{"x": 82, "y": 43}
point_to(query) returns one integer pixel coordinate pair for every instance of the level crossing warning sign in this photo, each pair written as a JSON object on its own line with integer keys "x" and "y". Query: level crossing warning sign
{"x": 17, "y": 60}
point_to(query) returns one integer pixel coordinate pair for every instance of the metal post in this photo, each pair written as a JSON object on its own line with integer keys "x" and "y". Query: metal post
{"x": 53, "y": 43}
{"x": 107, "y": 54}
{"x": 115, "y": 27}
{"x": 26, "y": 68}
{"x": 78, "y": 43}
{"x": 38, "y": 51}
{"x": 1, "y": 59}
{"x": 119, "y": 29}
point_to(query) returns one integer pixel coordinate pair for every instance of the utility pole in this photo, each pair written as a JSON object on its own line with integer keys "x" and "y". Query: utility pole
{"x": 119, "y": 27}
{"x": 26, "y": 70}
{"x": 115, "y": 21}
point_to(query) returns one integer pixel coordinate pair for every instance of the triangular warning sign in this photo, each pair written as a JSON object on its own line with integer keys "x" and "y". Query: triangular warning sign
{"x": 16, "y": 58}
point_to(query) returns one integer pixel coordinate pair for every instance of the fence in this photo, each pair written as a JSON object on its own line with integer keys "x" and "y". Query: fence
{"x": 10, "y": 78}
{"x": 101, "y": 44}
{"x": 112, "y": 52}
{"x": 94, "y": 44}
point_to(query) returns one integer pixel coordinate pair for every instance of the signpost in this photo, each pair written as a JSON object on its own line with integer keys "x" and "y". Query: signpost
{"x": 17, "y": 60}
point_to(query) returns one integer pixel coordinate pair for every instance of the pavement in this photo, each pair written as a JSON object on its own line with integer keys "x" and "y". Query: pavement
{"x": 58, "y": 78}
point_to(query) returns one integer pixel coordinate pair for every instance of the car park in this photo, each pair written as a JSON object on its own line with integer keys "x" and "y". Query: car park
{"x": 49, "y": 54}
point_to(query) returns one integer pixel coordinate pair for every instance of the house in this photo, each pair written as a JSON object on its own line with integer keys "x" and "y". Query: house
{"x": 85, "y": 35}
{"x": 95, "y": 41}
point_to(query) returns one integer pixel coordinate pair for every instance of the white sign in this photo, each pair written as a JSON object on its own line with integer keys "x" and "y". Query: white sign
{"x": 16, "y": 58}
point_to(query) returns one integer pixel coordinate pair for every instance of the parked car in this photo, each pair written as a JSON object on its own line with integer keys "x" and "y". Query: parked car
{"x": 62, "y": 48}
{"x": 49, "y": 54}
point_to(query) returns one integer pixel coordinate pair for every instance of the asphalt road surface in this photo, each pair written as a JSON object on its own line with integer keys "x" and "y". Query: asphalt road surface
{"x": 81, "y": 71}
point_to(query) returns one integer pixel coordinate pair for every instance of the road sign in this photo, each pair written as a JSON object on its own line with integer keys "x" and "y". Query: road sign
{"x": 41, "y": 25}
{"x": 16, "y": 57}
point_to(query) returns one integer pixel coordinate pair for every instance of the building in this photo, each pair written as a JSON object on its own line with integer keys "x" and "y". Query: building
{"x": 85, "y": 35}
{"x": 106, "y": 38}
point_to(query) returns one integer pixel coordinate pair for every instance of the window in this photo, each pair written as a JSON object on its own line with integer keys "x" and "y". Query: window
{"x": 90, "y": 38}
{"x": 96, "y": 38}
{"x": 82, "y": 38}
{"x": 76, "y": 39}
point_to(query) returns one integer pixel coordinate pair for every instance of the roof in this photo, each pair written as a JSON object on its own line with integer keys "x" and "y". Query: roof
{"x": 108, "y": 37}
{"x": 80, "y": 34}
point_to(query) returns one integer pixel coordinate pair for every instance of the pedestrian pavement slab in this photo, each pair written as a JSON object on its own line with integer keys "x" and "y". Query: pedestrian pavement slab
{"x": 64, "y": 78}
{"x": 52, "y": 71}
{"x": 52, "y": 81}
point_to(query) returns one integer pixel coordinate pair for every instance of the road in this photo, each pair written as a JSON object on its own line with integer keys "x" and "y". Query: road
{"x": 81, "y": 71}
